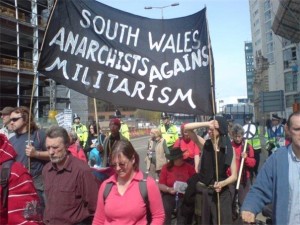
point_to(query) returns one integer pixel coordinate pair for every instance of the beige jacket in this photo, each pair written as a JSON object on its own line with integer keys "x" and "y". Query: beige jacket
{"x": 161, "y": 150}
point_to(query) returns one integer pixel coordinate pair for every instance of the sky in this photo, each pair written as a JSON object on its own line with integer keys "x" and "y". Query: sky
{"x": 229, "y": 27}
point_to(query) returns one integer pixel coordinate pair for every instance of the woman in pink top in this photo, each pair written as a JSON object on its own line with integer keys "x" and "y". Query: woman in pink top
{"x": 124, "y": 203}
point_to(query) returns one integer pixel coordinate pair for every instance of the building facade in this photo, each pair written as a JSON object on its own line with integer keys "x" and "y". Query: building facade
{"x": 249, "y": 70}
{"x": 276, "y": 59}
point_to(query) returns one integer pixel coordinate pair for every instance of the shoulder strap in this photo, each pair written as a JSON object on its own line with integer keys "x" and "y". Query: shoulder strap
{"x": 5, "y": 174}
{"x": 143, "y": 189}
{"x": 144, "y": 193}
{"x": 107, "y": 190}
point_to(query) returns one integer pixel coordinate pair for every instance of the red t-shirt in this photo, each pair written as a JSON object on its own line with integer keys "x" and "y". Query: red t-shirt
{"x": 176, "y": 173}
{"x": 188, "y": 146}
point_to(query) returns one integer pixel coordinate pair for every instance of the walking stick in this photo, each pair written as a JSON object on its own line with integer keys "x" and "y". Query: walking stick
{"x": 34, "y": 86}
{"x": 249, "y": 132}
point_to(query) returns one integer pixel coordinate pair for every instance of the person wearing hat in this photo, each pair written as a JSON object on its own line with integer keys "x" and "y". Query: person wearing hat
{"x": 276, "y": 135}
{"x": 80, "y": 129}
{"x": 115, "y": 135}
{"x": 6, "y": 130}
{"x": 208, "y": 184}
{"x": 175, "y": 170}
{"x": 124, "y": 130}
{"x": 168, "y": 130}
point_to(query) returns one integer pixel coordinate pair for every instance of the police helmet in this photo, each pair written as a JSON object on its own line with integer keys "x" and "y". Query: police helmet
{"x": 118, "y": 113}
{"x": 75, "y": 116}
{"x": 164, "y": 115}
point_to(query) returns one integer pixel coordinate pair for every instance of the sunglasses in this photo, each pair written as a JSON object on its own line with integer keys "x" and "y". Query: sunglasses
{"x": 121, "y": 165}
{"x": 15, "y": 119}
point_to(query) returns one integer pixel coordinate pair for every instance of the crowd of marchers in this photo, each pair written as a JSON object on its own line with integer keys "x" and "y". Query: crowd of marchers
{"x": 81, "y": 176}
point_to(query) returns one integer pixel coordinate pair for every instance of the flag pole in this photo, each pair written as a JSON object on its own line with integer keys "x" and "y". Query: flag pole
{"x": 96, "y": 115}
{"x": 29, "y": 117}
{"x": 214, "y": 114}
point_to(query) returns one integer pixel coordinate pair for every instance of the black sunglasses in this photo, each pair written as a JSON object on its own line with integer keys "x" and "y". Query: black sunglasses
{"x": 15, "y": 119}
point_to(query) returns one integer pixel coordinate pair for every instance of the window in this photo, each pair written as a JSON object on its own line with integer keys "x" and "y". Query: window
{"x": 289, "y": 55}
{"x": 270, "y": 47}
{"x": 270, "y": 57}
{"x": 268, "y": 15}
{"x": 290, "y": 82}
{"x": 267, "y": 5}
{"x": 269, "y": 36}
{"x": 268, "y": 25}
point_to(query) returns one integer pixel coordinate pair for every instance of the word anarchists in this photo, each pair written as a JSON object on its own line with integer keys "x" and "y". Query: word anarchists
{"x": 129, "y": 60}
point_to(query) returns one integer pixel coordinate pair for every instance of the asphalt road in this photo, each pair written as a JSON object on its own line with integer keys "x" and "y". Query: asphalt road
{"x": 140, "y": 145}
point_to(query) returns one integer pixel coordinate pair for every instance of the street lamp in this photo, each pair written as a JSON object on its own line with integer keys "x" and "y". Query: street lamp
{"x": 161, "y": 8}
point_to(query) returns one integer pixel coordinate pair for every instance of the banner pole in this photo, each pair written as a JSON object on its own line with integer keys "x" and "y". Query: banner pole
{"x": 46, "y": 29}
{"x": 96, "y": 115}
{"x": 29, "y": 117}
{"x": 214, "y": 114}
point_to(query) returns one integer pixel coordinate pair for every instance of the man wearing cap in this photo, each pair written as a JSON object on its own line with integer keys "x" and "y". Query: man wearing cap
{"x": 6, "y": 130}
{"x": 275, "y": 135}
{"x": 80, "y": 130}
{"x": 168, "y": 130}
{"x": 124, "y": 130}
{"x": 115, "y": 135}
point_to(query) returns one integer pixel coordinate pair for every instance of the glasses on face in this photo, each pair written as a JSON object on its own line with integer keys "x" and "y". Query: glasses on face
{"x": 15, "y": 119}
{"x": 121, "y": 165}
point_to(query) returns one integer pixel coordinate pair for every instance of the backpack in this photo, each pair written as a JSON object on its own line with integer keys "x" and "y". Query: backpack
{"x": 143, "y": 192}
{"x": 4, "y": 177}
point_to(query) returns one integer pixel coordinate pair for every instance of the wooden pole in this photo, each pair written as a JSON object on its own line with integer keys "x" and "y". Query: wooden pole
{"x": 214, "y": 113}
{"x": 96, "y": 115}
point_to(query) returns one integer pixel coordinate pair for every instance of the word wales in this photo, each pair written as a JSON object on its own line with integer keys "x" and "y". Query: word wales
{"x": 161, "y": 65}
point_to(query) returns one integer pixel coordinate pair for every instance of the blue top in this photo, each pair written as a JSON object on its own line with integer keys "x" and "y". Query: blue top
{"x": 19, "y": 142}
{"x": 294, "y": 188}
{"x": 95, "y": 157}
{"x": 271, "y": 186}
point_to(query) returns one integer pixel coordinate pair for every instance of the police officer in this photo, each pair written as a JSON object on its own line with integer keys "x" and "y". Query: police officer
{"x": 80, "y": 130}
{"x": 276, "y": 134}
{"x": 168, "y": 130}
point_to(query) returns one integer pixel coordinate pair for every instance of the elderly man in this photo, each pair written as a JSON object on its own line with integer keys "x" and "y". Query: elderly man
{"x": 71, "y": 189}
{"x": 6, "y": 129}
{"x": 278, "y": 182}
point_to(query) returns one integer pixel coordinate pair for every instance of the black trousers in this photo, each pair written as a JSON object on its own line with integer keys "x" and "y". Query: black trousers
{"x": 207, "y": 206}
{"x": 169, "y": 206}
